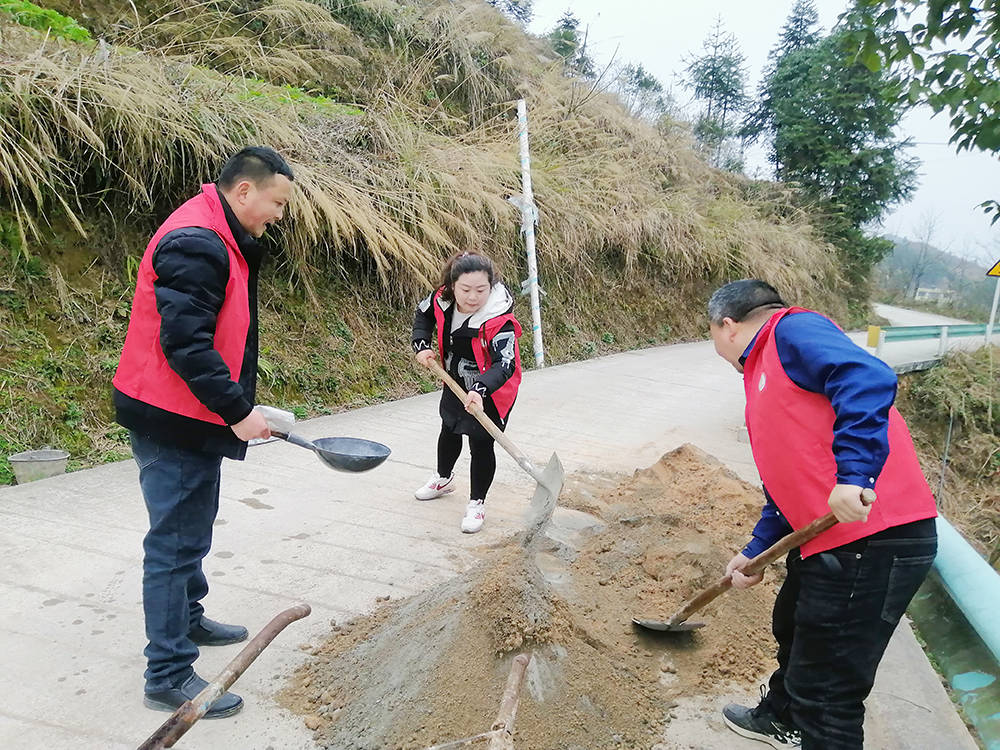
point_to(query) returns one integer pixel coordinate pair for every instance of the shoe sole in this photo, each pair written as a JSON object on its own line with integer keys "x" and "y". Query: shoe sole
{"x": 442, "y": 493}
{"x": 158, "y": 706}
{"x": 228, "y": 642}
{"x": 777, "y": 744}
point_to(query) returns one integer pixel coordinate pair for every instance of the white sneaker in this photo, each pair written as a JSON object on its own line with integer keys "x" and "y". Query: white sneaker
{"x": 435, "y": 487}
{"x": 475, "y": 514}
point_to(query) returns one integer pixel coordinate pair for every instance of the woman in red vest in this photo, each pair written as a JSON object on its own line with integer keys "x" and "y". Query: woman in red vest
{"x": 471, "y": 315}
{"x": 824, "y": 435}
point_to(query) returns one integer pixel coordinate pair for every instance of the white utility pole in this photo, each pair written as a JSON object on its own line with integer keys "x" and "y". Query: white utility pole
{"x": 529, "y": 215}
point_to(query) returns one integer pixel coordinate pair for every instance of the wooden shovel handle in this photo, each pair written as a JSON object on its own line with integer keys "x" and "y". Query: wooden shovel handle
{"x": 765, "y": 558}
{"x": 755, "y": 566}
{"x": 495, "y": 432}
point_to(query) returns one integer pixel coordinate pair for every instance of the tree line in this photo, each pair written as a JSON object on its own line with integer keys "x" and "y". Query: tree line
{"x": 828, "y": 104}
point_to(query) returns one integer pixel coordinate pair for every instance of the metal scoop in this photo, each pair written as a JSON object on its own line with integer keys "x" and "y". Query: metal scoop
{"x": 341, "y": 453}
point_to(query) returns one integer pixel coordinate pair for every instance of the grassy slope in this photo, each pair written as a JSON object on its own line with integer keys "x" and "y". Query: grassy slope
{"x": 398, "y": 119}
{"x": 966, "y": 390}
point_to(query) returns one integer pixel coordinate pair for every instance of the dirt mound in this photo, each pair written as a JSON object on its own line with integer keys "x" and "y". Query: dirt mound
{"x": 432, "y": 668}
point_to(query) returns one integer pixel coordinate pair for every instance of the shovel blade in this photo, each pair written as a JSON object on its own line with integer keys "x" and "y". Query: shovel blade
{"x": 543, "y": 502}
{"x": 666, "y": 627}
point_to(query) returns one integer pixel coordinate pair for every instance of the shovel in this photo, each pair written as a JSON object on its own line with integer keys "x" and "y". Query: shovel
{"x": 549, "y": 481}
{"x": 341, "y": 453}
{"x": 678, "y": 621}
{"x": 190, "y": 711}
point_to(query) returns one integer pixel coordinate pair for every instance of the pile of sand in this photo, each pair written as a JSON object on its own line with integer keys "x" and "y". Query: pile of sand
{"x": 432, "y": 668}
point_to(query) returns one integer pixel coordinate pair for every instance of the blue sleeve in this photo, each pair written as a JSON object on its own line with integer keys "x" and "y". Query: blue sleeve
{"x": 771, "y": 527}
{"x": 820, "y": 358}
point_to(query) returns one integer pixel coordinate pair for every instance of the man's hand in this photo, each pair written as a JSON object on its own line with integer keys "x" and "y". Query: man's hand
{"x": 741, "y": 581}
{"x": 851, "y": 503}
{"x": 473, "y": 398}
{"x": 253, "y": 425}
{"x": 424, "y": 356}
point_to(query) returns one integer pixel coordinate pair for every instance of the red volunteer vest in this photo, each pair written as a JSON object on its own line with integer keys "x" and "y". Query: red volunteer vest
{"x": 791, "y": 435}
{"x": 143, "y": 372}
{"x": 503, "y": 397}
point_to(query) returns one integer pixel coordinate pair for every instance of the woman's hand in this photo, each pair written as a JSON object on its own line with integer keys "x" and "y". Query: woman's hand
{"x": 424, "y": 356}
{"x": 473, "y": 398}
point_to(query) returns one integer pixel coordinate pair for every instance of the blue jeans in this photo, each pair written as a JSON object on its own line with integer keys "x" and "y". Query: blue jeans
{"x": 181, "y": 490}
{"x": 833, "y": 618}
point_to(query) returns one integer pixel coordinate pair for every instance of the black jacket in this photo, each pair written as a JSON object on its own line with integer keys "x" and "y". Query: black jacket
{"x": 501, "y": 348}
{"x": 459, "y": 358}
{"x": 192, "y": 270}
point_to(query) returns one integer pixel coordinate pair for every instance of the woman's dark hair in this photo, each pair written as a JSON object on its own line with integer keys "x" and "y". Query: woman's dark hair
{"x": 461, "y": 263}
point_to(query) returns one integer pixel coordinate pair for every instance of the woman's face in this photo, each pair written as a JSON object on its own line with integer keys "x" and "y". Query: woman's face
{"x": 472, "y": 289}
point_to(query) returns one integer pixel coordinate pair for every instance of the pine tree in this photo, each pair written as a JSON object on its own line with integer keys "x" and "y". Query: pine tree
{"x": 571, "y": 45}
{"x": 718, "y": 78}
{"x": 800, "y": 29}
{"x": 642, "y": 94}
{"x": 519, "y": 10}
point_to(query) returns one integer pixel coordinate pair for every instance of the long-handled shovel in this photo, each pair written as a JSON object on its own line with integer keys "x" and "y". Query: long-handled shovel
{"x": 549, "y": 481}
{"x": 678, "y": 621}
{"x": 189, "y": 712}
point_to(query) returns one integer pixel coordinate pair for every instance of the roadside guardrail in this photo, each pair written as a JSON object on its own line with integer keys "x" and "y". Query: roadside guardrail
{"x": 879, "y": 335}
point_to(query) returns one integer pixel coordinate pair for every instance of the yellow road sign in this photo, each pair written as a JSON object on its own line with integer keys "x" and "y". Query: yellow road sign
{"x": 995, "y": 271}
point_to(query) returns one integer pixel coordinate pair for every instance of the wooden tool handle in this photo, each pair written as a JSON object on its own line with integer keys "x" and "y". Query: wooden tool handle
{"x": 497, "y": 434}
{"x": 755, "y": 566}
{"x": 765, "y": 558}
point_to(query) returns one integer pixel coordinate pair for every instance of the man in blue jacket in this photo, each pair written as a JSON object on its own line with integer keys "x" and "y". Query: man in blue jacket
{"x": 825, "y": 438}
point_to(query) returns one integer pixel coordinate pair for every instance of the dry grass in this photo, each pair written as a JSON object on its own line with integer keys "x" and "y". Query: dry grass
{"x": 425, "y": 169}
{"x": 966, "y": 390}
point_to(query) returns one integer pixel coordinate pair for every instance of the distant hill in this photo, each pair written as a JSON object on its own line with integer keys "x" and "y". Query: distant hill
{"x": 913, "y": 265}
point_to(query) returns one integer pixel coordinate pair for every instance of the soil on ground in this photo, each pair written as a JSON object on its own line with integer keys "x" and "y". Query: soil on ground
{"x": 432, "y": 668}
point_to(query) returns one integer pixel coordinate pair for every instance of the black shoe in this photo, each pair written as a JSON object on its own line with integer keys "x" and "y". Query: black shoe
{"x": 210, "y": 633}
{"x": 170, "y": 700}
{"x": 762, "y": 724}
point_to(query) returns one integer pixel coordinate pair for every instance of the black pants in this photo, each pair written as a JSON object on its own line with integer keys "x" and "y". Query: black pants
{"x": 484, "y": 460}
{"x": 833, "y": 618}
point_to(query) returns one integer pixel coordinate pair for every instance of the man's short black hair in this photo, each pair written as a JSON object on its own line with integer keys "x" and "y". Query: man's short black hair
{"x": 738, "y": 299}
{"x": 254, "y": 163}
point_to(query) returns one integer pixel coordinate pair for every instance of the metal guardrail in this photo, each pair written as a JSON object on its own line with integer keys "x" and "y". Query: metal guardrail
{"x": 878, "y": 336}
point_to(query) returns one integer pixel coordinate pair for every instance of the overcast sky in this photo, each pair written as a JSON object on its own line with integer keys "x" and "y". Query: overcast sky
{"x": 659, "y": 34}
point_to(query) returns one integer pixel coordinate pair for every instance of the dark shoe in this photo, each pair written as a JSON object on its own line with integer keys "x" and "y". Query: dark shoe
{"x": 762, "y": 724}
{"x": 170, "y": 700}
{"x": 210, "y": 633}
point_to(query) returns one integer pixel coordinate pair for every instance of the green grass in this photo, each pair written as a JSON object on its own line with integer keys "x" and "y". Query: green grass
{"x": 257, "y": 90}
{"x": 43, "y": 19}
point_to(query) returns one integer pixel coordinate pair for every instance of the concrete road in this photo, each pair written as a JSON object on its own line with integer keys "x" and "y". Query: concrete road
{"x": 290, "y": 530}
{"x": 900, "y": 316}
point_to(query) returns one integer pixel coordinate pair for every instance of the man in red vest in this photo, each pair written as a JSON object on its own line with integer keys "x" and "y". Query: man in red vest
{"x": 185, "y": 388}
{"x": 823, "y": 430}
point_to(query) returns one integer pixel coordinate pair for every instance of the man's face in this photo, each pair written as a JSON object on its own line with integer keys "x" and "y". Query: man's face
{"x": 257, "y": 205}
{"x": 727, "y": 340}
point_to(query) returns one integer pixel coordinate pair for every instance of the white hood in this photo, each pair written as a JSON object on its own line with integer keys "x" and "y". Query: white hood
{"x": 499, "y": 302}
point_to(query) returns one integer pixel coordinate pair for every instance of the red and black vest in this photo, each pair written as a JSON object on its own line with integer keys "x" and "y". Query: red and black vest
{"x": 791, "y": 435}
{"x": 503, "y": 397}
{"x": 143, "y": 372}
